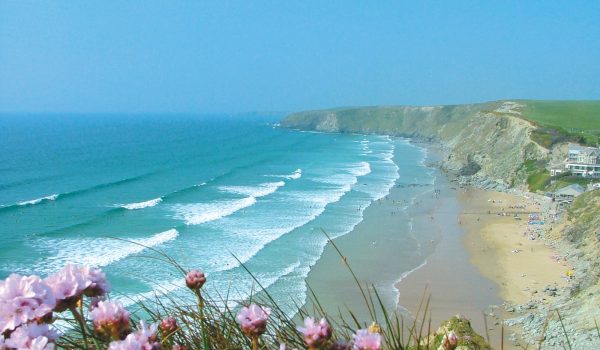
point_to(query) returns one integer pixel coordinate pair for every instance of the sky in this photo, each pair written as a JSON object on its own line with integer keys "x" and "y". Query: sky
{"x": 284, "y": 56}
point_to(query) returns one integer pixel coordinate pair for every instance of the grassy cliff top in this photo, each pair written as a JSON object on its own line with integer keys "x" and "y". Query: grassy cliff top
{"x": 579, "y": 115}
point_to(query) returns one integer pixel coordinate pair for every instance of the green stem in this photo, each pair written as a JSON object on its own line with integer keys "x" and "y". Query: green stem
{"x": 202, "y": 320}
{"x": 81, "y": 322}
{"x": 255, "y": 343}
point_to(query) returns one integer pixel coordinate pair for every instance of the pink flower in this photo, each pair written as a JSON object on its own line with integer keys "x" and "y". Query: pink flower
{"x": 32, "y": 336}
{"x": 23, "y": 299}
{"x": 70, "y": 283}
{"x": 178, "y": 347}
{"x": 110, "y": 319}
{"x": 450, "y": 341}
{"x": 253, "y": 320}
{"x": 315, "y": 335}
{"x": 195, "y": 279}
{"x": 168, "y": 326}
{"x": 98, "y": 284}
{"x": 67, "y": 285}
{"x": 365, "y": 340}
{"x": 143, "y": 339}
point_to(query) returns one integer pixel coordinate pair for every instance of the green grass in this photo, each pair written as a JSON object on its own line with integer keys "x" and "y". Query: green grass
{"x": 537, "y": 176}
{"x": 559, "y": 121}
{"x": 576, "y": 115}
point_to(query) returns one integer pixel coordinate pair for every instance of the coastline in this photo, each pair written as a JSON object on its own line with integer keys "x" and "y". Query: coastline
{"x": 435, "y": 260}
{"x": 454, "y": 284}
{"x": 473, "y": 261}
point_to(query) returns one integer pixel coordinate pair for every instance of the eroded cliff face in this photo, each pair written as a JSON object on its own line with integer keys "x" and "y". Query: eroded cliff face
{"x": 487, "y": 143}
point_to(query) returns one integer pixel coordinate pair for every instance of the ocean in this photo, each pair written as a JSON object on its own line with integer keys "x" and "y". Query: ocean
{"x": 208, "y": 191}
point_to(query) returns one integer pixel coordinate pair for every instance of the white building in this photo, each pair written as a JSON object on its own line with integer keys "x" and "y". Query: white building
{"x": 583, "y": 161}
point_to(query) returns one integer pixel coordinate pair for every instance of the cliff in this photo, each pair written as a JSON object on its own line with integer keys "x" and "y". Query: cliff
{"x": 487, "y": 143}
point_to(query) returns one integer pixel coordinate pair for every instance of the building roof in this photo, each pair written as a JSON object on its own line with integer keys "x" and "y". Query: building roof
{"x": 571, "y": 190}
{"x": 575, "y": 148}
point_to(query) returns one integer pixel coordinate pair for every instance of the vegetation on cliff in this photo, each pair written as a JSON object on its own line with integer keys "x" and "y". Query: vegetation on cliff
{"x": 562, "y": 121}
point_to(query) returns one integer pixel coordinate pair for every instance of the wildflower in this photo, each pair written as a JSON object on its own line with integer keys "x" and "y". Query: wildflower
{"x": 315, "y": 335}
{"x": 178, "y": 347}
{"x": 168, "y": 326}
{"x": 340, "y": 345}
{"x": 365, "y": 340}
{"x": 67, "y": 285}
{"x": 450, "y": 341}
{"x": 98, "y": 284}
{"x": 282, "y": 346}
{"x": 143, "y": 339}
{"x": 146, "y": 333}
{"x": 253, "y": 320}
{"x": 22, "y": 299}
{"x": 195, "y": 279}
{"x": 32, "y": 336}
{"x": 110, "y": 320}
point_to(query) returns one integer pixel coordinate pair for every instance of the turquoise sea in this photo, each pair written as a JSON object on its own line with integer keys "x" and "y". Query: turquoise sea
{"x": 207, "y": 190}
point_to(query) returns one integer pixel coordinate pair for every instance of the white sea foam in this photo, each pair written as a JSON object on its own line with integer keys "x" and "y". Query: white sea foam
{"x": 97, "y": 251}
{"x": 360, "y": 169}
{"x": 142, "y": 205}
{"x": 39, "y": 200}
{"x": 199, "y": 213}
{"x": 254, "y": 191}
{"x": 293, "y": 176}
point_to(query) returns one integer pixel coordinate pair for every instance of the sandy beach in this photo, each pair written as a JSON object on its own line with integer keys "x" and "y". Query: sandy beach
{"x": 505, "y": 246}
{"x": 437, "y": 265}
{"x": 478, "y": 252}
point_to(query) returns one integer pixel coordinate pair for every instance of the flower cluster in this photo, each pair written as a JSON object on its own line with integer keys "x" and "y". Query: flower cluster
{"x": 315, "y": 334}
{"x": 195, "y": 279}
{"x": 253, "y": 320}
{"x": 110, "y": 320}
{"x": 168, "y": 326}
{"x": 23, "y": 299}
{"x": 363, "y": 339}
{"x": 72, "y": 282}
{"x": 28, "y": 302}
{"x": 32, "y": 336}
{"x": 144, "y": 339}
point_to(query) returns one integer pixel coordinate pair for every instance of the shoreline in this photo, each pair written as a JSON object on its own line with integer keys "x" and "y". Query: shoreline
{"x": 474, "y": 260}
{"x": 454, "y": 284}
{"x": 402, "y": 288}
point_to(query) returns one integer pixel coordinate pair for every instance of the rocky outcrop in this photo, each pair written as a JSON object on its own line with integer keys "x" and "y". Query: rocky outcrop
{"x": 487, "y": 143}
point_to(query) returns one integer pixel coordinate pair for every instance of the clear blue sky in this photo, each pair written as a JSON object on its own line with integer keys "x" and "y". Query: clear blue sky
{"x": 230, "y": 56}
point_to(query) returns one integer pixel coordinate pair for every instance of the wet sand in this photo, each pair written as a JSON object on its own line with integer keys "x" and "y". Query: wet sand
{"x": 404, "y": 263}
